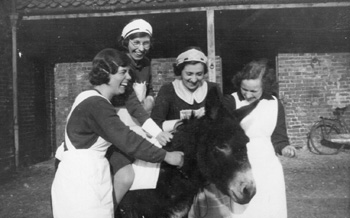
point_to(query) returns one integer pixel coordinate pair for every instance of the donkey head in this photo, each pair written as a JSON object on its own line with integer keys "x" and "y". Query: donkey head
{"x": 222, "y": 152}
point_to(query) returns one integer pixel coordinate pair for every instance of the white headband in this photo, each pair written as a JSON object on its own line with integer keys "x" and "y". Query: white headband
{"x": 137, "y": 26}
{"x": 191, "y": 55}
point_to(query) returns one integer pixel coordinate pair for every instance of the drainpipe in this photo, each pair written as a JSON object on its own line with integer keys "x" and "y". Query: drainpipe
{"x": 14, "y": 19}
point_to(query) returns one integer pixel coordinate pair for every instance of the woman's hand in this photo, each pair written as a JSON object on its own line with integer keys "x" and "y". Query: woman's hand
{"x": 289, "y": 151}
{"x": 175, "y": 158}
{"x": 164, "y": 137}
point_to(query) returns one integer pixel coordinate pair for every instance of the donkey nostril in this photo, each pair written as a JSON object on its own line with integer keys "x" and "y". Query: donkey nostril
{"x": 249, "y": 192}
{"x": 245, "y": 191}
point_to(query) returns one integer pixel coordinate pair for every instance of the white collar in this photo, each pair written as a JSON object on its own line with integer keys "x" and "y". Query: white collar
{"x": 182, "y": 92}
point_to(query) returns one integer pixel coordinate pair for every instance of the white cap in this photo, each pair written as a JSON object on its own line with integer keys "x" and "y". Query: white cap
{"x": 137, "y": 26}
{"x": 191, "y": 55}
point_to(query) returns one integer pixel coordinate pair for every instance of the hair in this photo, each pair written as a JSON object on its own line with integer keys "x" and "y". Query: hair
{"x": 254, "y": 70}
{"x": 107, "y": 62}
{"x": 123, "y": 44}
{"x": 178, "y": 68}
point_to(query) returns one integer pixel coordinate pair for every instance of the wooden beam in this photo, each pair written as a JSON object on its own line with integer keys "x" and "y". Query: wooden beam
{"x": 192, "y": 9}
{"x": 211, "y": 46}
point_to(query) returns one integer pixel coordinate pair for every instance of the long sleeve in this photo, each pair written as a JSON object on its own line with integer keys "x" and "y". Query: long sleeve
{"x": 96, "y": 117}
{"x": 279, "y": 136}
{"x": 161, "y": 107}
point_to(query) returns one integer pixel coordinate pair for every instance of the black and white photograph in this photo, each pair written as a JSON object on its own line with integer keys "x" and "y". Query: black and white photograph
{"x": 175, "y": 108}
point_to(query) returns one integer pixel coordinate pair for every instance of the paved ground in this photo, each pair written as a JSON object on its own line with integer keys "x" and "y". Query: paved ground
{"x": 317, "y": 187}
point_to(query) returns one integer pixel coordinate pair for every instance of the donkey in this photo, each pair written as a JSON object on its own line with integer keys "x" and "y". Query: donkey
{"x": 215, "y": 152}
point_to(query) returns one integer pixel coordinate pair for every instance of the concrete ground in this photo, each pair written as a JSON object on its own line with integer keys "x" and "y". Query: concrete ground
{"x": 317, "y": 187}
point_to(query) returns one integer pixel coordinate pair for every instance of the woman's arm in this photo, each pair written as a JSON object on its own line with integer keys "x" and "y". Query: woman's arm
{"x": 279, "y": 136}
{"x": 107, "y": 124}
{"x": 162, "y": 105}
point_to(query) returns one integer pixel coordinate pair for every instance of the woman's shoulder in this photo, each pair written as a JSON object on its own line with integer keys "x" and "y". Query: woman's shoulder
{"x": 167, "y": 86}
{"x": 95, "y": 103}
{"x": 167, "y": 89}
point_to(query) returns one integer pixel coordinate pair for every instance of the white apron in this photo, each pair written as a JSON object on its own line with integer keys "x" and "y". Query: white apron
{"x": 82, "y": 187}
{"x": 270, "y": 199}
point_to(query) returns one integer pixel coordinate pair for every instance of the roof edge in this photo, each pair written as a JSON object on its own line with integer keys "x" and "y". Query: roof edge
{"x": 174, "y": 7}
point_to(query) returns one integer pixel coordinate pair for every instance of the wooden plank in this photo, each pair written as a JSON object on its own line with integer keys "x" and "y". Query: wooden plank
{"x": 211, "y": 45}
{"x": 192, "y": 9}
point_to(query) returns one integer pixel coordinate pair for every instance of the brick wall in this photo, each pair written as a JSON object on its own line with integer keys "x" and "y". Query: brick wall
{"x": 71, "y": 78}
{"x": 49, "y": 70}
{"x": 26, "y": 110}
{"x": 6, "y": 112}
{"x": 310, "y": 86}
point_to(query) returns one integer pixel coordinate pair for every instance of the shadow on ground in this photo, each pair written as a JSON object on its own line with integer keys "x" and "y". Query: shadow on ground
{"x": 317, "y": 187}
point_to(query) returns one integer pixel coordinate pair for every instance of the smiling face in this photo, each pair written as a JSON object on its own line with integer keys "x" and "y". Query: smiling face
{"x": 251, "y": 89}
{"x": 119, "y": 80}
{"x": 192, "y": 76}
{"x": 138, "y": 47}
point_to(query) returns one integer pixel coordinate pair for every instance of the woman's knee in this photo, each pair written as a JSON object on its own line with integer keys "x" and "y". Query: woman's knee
{"x": 125, "y": 175}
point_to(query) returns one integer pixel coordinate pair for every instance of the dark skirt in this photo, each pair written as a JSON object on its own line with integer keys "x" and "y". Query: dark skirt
{"x": 117, "y": 159}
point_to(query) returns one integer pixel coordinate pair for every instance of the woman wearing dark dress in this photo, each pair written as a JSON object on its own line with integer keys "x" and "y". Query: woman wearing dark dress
{"x": 82, "y": 186}
{"x": 187, "y": 93}
{"x": 134, "y": 108}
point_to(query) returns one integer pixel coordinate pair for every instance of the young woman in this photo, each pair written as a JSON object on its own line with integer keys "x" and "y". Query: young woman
{"x": 266, "y": 128}
{"x": 82, "y": 185}
{"x": 134, "y": 106}
{"x": 135, "y": 40}
{"x": 185, "y": 95}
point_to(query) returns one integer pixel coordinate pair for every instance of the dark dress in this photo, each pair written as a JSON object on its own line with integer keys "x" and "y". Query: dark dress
{"x": 170, "y": 106}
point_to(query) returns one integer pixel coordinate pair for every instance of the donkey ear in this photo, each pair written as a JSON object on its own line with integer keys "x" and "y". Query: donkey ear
{"x": 229, "y": 106}
{"x": 245, "y": 110}
{"x": 213, "y": 103}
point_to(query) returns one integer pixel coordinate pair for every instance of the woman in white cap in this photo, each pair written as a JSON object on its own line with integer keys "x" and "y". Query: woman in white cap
{"x": 82, "y": 185}
{"x": 187, "y": 93}
{"x": 135, "y": 40}
{"x": 133, "y": 107}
